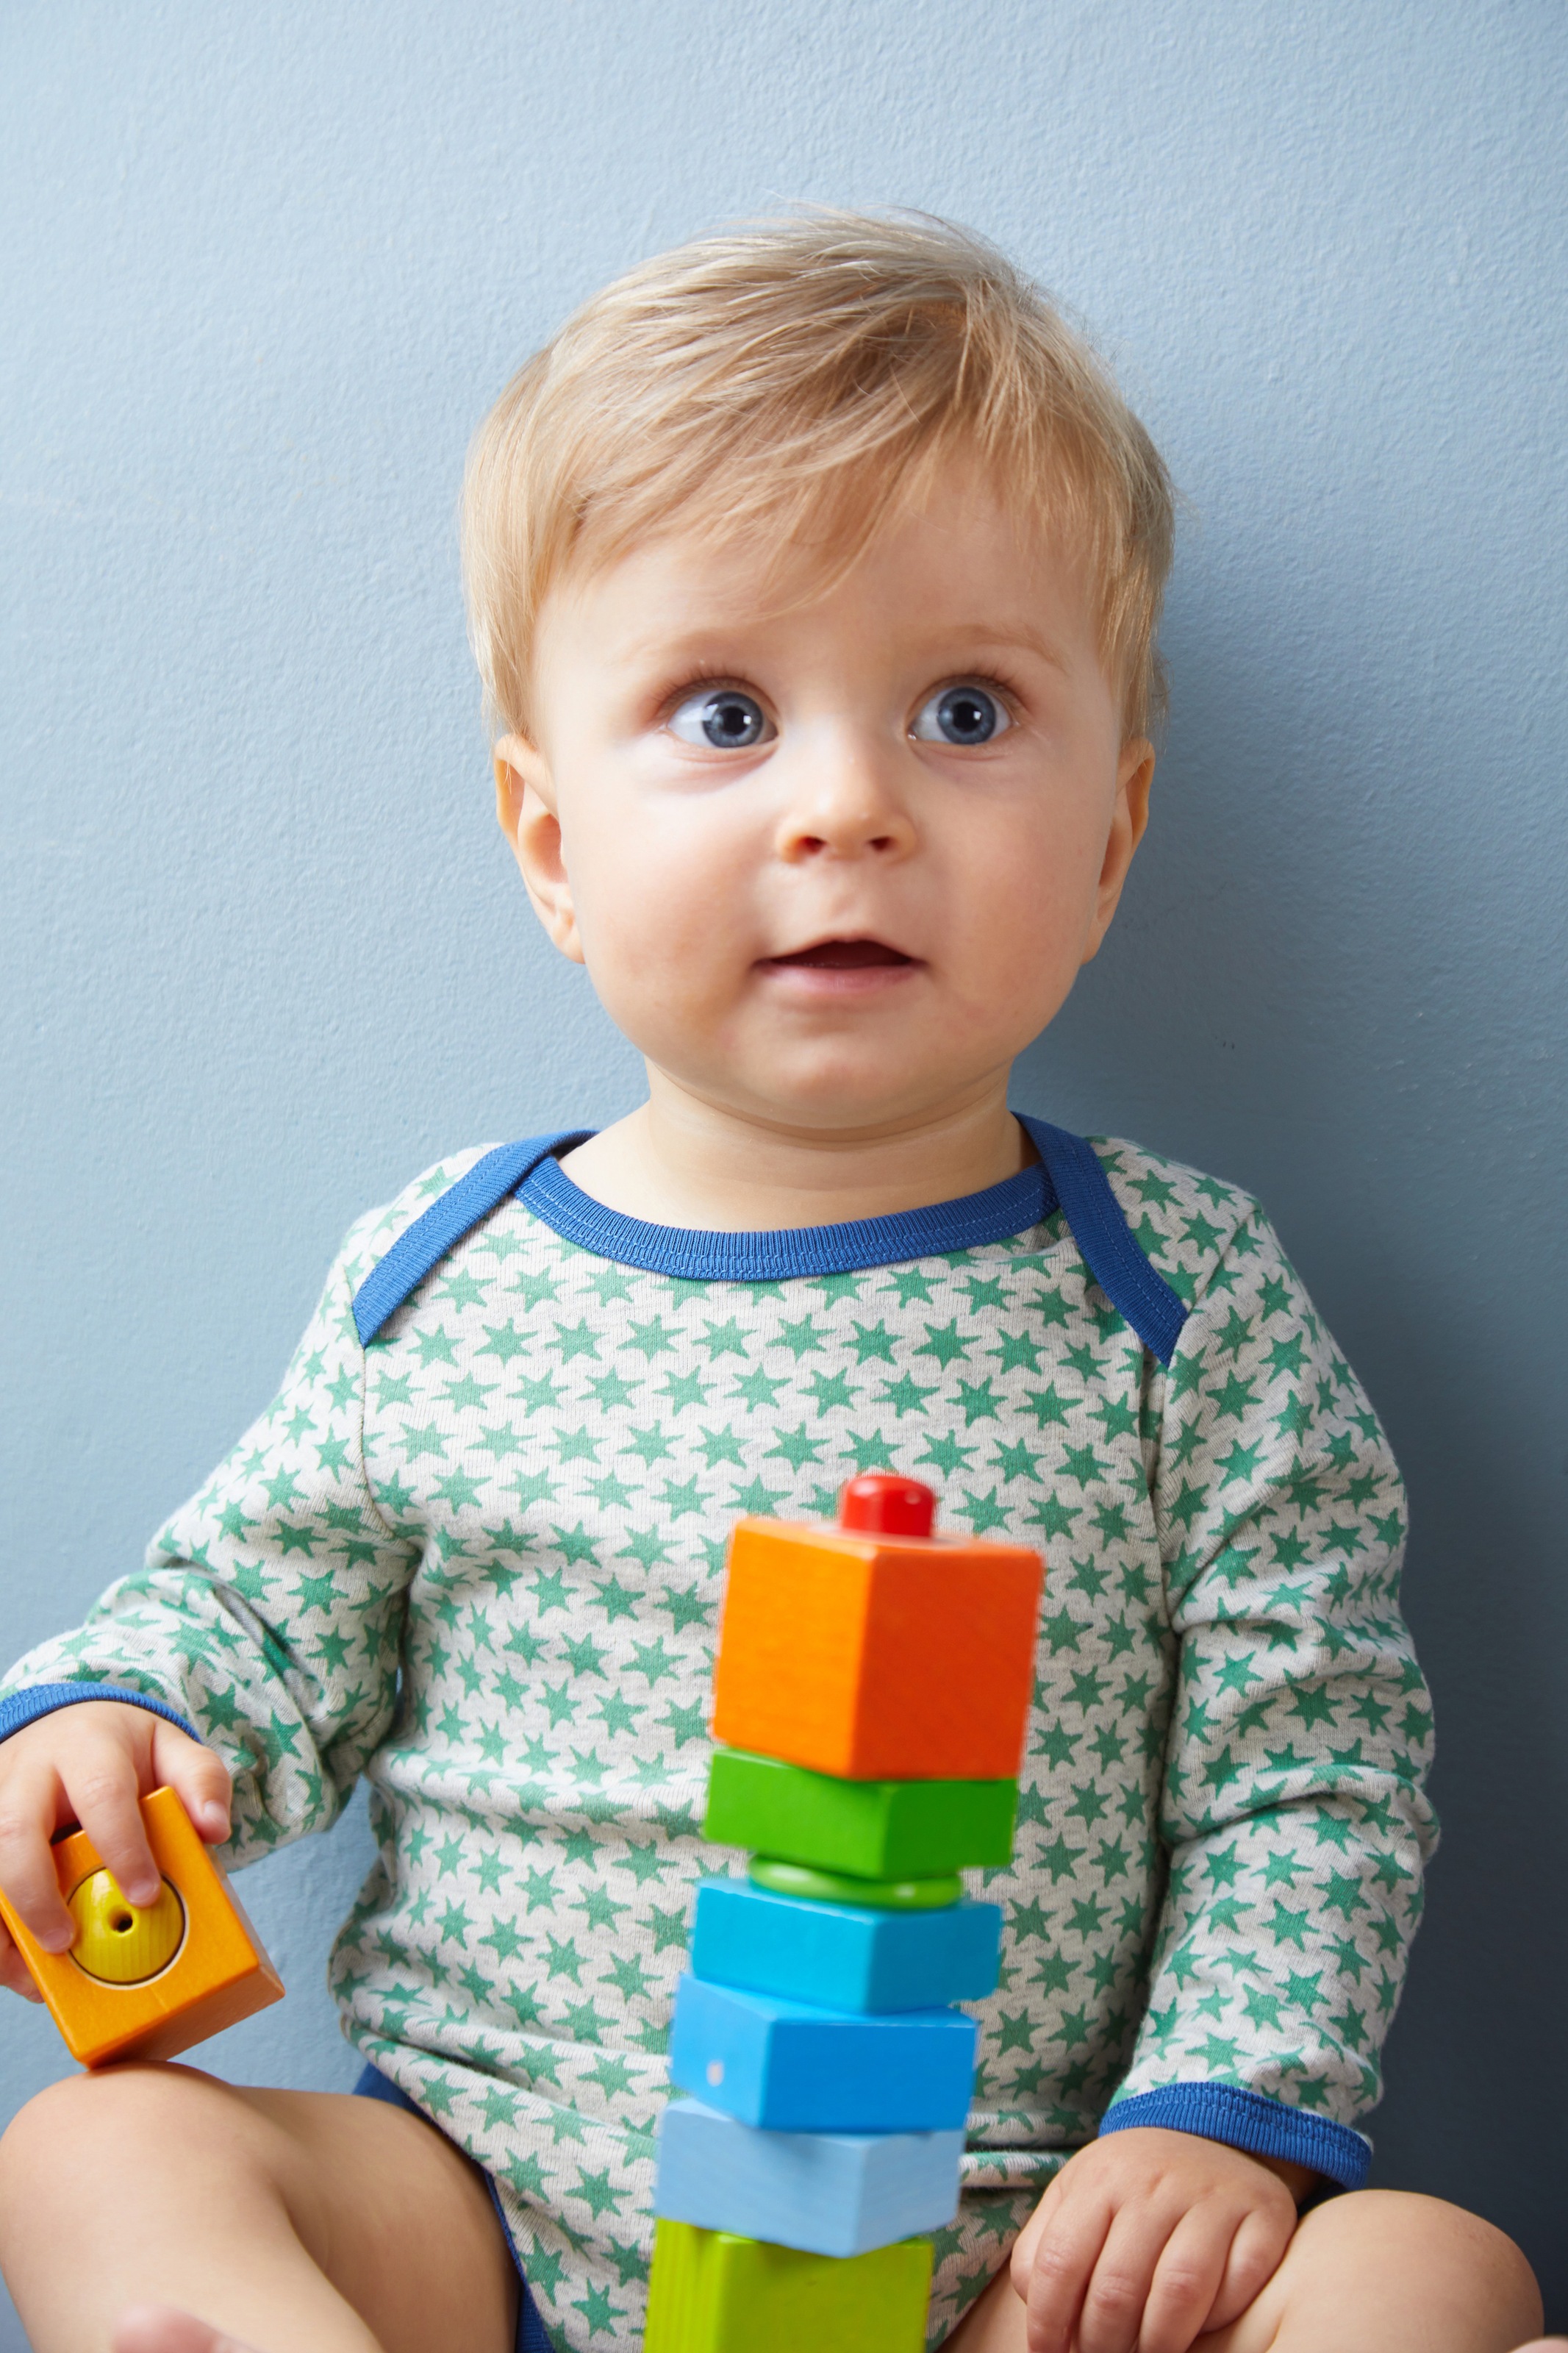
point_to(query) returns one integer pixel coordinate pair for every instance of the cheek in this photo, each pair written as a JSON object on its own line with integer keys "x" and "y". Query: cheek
{"x": 660, "y": 894}
{"x": 1031, "y": 890}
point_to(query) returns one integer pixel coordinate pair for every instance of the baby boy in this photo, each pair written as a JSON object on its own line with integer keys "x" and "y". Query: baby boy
{"x": 813, "y": 575}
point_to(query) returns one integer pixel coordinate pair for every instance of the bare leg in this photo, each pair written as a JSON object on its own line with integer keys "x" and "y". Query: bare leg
{"x": 1377, "y": 2271}
{"x": 290, "y": 2222}
{"x": 164, "y": 2328}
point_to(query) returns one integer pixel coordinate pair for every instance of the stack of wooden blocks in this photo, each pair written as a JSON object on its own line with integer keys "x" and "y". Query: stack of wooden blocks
{"x": 871, "y": 1695}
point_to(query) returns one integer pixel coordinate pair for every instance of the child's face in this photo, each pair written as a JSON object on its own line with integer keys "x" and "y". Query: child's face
{"x": 833, "y": 856}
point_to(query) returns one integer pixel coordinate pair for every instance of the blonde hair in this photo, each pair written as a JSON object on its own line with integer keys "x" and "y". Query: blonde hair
{"x": 804, "y": 376}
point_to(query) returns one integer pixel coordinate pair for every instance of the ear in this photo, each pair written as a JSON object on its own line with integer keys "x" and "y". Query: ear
{"x": 1130, "y": 816}
{"x": 525, "y": 808}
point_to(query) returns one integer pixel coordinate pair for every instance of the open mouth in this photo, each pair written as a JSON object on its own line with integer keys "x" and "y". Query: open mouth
{"x": 844, "y": 955}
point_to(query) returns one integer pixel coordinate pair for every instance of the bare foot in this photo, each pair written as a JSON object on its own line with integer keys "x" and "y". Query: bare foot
{"x": 164, "y": 2328}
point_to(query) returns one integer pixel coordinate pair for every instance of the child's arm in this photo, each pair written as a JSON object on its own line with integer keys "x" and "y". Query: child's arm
{"x": 1291, "y": 1808}
{"x": 267, "y": 1622}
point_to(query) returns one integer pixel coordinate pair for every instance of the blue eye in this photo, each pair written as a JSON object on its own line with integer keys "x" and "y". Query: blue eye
{"x": 960, "y": 714}
{"x": 722, "y": 716}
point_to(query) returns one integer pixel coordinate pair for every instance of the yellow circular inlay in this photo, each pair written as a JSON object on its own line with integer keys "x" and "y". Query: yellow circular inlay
{"x": 121, "y": 1943}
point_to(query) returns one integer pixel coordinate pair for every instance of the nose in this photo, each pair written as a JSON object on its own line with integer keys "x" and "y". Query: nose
{"x": 844, "y": 802}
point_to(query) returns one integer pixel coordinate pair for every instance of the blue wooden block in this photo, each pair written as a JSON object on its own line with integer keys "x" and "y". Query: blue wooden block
{"x": 830, "y": 2193}
{"x": 844, "y": 1956}
{"x": 791, "y": 2067}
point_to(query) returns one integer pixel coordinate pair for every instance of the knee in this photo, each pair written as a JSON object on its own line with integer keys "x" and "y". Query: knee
{"x": 45, "y": 2128}
{"x": 1493, "y": 2261}
{"x": 1437, "y": 2231}
{"x": 71, "y": 2136}
{"x": 1456, "y": 2254}
{"x": 56, "y": 2130}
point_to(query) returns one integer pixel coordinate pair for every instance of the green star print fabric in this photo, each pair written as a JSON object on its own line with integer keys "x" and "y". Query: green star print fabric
{"x": 480, "y": 1563}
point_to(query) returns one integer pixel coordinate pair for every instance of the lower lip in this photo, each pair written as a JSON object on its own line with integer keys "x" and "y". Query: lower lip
{"x": 839, "y": 982}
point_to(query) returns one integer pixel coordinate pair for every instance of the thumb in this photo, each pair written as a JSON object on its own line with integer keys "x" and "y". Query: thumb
{"x": 198, "y": 1779}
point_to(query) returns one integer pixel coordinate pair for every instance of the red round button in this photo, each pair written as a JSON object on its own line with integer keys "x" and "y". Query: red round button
{"x": 879, "y": 1503}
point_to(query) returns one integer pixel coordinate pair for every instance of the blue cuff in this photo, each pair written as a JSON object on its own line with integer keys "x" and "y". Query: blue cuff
{"x": 1247, "y": 2120}
{"x": 21, "y": 1708}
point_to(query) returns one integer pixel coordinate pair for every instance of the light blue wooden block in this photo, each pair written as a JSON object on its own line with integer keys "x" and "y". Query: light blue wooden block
{"x": 795, "y": 2068}
{"x": 829, "y": 2193}
{"x": 844, "y": 1956}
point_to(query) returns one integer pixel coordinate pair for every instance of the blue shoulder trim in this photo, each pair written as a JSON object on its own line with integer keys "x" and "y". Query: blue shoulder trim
{"x": 1248, "y": 2121}
{"x": 422, "y": 1245}
{"x": 1070, "y": 1175}
{"x": 20, "y": 1708}
{"x": 1100, "y": 1229}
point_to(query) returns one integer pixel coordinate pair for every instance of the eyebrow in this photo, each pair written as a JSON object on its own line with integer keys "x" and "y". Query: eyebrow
{"x": 693, "y": 644}
{"x": 1021, "y": 638}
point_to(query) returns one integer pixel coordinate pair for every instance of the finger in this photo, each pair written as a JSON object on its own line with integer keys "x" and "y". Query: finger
{"x": 1113, "y": 2303}
{"x": 1064, "y": 2260}
{"x": 1255, "y": 2255}
{"x": 29, "y": 1807}
{"x": 103, "y": 1783}
{"x": 1187, "y": 2278}
{"x": 162, "y": 2328}
{"x": 14, "y": 1974}
{"x": 198, "y": 1779}
{"x": 1022, "y": 2259}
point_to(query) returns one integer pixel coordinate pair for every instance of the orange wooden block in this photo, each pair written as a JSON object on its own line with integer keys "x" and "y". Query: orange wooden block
{"x": 874, "y": 1654}
{"x": 147, "y": 1984}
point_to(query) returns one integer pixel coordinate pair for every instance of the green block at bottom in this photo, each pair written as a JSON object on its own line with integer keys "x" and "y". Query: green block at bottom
{"x": 713, "y": 2292}
{"x": 876, "y": 1829}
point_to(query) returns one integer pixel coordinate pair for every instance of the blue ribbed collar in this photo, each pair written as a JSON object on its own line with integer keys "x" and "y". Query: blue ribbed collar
{"x": 1002, "y": 1210}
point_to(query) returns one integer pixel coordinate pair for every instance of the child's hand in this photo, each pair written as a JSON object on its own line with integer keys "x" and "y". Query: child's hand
{"x": 89, "y": 1763}
{"x": 1147, "y": 2238}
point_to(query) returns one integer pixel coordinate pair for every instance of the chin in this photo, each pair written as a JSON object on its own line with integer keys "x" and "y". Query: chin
{"x": 838, "y": 1104}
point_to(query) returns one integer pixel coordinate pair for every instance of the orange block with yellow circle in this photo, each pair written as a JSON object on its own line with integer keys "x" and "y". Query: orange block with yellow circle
{"x": 147, "y": 1982}
{"x": 877, "y": 1650}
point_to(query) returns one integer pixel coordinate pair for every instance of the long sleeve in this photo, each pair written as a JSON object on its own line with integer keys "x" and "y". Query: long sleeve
{"x": 269, "y": 1610}
{"x": 1292, "y": 1811}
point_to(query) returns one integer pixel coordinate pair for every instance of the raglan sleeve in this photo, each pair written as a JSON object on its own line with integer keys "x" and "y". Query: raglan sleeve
{"x": 1293, "y": 1813}
{"x": 268, "y": 1616}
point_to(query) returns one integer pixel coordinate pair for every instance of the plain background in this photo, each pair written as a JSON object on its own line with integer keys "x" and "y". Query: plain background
{"x": 264, "y": 956}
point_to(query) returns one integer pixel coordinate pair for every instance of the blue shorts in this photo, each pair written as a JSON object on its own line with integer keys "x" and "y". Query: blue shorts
{"x": 532, "y": 2337}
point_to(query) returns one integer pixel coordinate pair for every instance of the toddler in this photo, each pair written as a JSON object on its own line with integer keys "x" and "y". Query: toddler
{"x": 813, "y": 575}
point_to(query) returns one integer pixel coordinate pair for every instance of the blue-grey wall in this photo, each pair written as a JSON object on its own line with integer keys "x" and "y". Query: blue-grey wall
{"x": 263, "y": 953}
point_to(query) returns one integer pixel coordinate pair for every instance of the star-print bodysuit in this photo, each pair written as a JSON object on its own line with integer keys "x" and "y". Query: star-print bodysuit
{"x": 478, "y": 1559}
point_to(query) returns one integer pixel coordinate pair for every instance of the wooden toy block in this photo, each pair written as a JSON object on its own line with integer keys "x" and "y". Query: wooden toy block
{"x": 876, "y": 1829}
{"x": 716, "y": 2292}
{"x": 830, "y": 2193}
{"x": 840, "y": 1956}
{"x": 877, "y": 1656}
{"x": 148, "y": 1983}
{"x": 790, "y": 2066}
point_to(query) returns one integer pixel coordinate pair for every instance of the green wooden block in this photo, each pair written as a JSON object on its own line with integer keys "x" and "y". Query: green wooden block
{"x": 816, "y": 1886}
{"x": 714, "y": 2293}
{"x": 876, "y": 1829}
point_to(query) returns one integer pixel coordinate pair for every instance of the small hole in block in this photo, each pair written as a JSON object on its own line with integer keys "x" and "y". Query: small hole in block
{"x": 121, "y": 1943}
{"x": 715, "y": 2071}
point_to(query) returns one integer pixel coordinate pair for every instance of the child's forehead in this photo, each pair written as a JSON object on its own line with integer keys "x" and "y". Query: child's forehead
{"x": 951, "y": 550}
